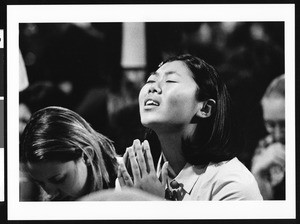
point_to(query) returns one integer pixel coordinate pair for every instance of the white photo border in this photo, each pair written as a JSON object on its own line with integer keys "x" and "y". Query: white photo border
{"x": 147, "y": 210}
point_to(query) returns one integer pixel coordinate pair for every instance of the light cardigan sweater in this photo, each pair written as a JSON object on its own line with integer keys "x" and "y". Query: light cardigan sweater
{"x": 227, "y": 180}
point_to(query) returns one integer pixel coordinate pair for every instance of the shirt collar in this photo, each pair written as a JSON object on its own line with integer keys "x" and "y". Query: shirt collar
{"x": 188, "y": 176}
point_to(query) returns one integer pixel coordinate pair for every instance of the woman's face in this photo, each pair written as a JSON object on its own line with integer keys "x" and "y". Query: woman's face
{"x": 63, "y": 181}
{"x": 274, "y": 116}
{"x": 168, "y": 99}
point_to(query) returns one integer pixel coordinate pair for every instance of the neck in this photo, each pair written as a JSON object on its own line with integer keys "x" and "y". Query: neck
{"x": 171, "y": 145}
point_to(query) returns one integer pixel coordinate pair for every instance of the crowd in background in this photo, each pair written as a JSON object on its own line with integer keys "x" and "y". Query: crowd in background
{"x": 78, "y": 66}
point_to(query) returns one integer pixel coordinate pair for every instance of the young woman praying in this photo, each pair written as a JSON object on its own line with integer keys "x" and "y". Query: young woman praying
{"x": 187, "y": 109}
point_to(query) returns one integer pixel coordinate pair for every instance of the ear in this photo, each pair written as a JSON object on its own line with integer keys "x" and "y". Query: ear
{"x": 88, "y": 155}
{"x": 206, "y": 108}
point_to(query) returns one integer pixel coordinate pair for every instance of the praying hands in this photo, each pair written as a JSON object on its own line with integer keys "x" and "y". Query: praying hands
{"x": 143, "y": 172}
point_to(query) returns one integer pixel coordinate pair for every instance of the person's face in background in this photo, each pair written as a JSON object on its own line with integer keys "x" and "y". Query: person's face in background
{"x": 24, "y": 116}
{"x": 168, "y": 99}
{"x": 274, "y": 117}
{"x": 62, "y": 181}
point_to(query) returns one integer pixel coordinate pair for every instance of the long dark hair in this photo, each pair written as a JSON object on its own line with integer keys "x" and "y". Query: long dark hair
{"x": 59, "y": 134}
{"x": 215, "y": 138}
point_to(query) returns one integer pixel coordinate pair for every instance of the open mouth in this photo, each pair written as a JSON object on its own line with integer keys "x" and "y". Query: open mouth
{"x": 151, "y": 102}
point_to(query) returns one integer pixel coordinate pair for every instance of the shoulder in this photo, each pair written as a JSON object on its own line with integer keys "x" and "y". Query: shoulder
{"x": 233, "y": 181}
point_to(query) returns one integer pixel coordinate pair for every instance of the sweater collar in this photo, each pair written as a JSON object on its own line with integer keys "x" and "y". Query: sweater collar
{"x": 187, "y": 177}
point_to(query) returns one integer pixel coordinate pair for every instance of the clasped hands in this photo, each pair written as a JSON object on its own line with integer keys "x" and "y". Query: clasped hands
{"x": 270, "y": 163}
{"x": 143, "y": 172}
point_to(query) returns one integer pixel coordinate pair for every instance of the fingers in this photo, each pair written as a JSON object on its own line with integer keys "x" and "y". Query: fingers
{"x": 123, "y": 176}
{"x": 279, "y": 160}
{"x": 127, "y": 161}
{"x": 277, "y": 148}
{"x": 277, "y": 175}
{"x": 164, "y": 173}
{"x": 273, "y": 155}
{"x": 125, "y": 157}
{"x": 134, "y": 165}
{"x": 140, "y": 156}
{"x": 140, "y": 159}
{"x": 149, "y": 161}
{"x": 120, "y": 177}
{"x": 276, "y": 153}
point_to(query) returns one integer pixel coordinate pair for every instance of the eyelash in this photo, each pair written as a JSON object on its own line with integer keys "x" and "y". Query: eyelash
{"x": 169, "y": 81}
{"x": 59, "y": 181}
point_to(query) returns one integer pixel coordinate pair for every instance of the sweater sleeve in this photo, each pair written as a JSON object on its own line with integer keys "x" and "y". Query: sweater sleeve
{"x": 234, "y": 190}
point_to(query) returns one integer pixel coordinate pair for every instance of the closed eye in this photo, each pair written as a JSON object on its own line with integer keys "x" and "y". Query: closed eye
{"x": 58, "y": 180}
{"x": 171, "y": 81}
{"x": 152, "y": 77}
{"x": 150, "y": 81}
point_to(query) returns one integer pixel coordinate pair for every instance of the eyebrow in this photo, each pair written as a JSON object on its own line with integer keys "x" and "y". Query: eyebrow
{"x": 167, "y": 73}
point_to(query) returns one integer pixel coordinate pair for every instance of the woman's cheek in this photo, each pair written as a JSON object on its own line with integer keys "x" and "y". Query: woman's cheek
{"x": 183, "y": 105}
{"x": 179, "y": 99}
{"x": 177, "y": 105}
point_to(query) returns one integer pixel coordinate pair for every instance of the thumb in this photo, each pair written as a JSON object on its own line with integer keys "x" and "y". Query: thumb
{"x": 164, "y": 173}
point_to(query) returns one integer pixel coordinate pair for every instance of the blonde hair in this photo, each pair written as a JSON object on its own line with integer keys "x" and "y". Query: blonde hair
{"x": 59, "y": 134}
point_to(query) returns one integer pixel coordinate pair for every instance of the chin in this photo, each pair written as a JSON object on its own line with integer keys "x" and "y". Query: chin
{"x": 153, "y": 125}
{"x": 148, "y": 123}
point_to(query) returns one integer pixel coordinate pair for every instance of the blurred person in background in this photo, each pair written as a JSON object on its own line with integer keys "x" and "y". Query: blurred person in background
{"x": 254, "y": 59}
{"x": 268, "y": 163}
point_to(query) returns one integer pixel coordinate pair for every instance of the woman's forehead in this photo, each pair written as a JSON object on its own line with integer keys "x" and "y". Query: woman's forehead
{"x": 175, "y": 67}
{"x": 273, "y": 108}
{"x": 172, "y": 64}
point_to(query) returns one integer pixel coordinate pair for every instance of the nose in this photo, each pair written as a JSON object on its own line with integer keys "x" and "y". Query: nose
{"x": 155, "y": 87}
{"x": 51, "y": 189}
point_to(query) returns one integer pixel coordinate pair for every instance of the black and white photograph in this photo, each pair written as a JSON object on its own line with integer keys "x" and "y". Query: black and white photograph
{"x": 184, "y": 108}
